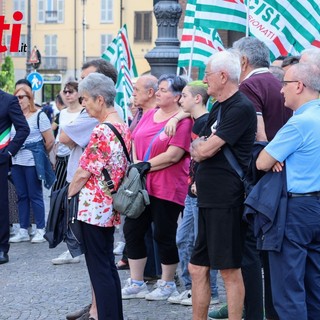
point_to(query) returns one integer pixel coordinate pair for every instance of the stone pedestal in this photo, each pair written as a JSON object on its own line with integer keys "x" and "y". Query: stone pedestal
{"x": 164, "y": 57}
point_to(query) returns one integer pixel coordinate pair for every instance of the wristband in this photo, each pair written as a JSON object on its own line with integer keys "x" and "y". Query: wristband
{"x": 176, "y": 118}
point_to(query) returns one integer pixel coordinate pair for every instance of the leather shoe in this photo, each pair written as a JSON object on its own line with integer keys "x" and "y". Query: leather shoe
{"x": 4, "y": 258}
{"x": 79, "y": 313}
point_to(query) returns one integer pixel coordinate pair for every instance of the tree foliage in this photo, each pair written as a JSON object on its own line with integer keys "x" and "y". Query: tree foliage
{"x": 7, "y": 75}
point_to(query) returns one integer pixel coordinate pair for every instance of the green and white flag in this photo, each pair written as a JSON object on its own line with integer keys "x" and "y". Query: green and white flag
{"x": 287, "y": 26}
{"x": 119, "y": 54}
{"x": 197, "y": 43}
{"x": 221, "y": 14}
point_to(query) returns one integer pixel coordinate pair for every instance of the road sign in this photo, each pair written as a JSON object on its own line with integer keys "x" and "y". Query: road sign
{"x": 36, "y": 80}
{"x": 34, "y": 56}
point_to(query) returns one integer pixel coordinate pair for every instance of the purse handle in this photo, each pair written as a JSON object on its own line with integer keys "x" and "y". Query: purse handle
{"x": 105, "y": 172}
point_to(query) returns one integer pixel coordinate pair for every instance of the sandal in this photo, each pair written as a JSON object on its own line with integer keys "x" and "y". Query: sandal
{"x": 122, "y": 265}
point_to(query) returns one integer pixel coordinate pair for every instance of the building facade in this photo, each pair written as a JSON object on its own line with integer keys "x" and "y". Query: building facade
{"x": 69, "y": 32}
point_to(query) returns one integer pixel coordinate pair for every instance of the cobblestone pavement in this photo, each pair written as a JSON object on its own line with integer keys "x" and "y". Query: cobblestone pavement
{"x": 31, "y": 288}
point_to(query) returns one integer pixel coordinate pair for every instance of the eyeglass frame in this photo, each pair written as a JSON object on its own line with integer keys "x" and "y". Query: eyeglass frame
{"x": 285, "y": 82}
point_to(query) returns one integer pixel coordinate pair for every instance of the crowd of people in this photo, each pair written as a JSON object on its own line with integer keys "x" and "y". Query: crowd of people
{"x": 265, "y": 243}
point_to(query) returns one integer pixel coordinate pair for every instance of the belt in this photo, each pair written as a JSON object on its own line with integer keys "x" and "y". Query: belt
{"x": 308, "y": 194}
{"x": 63, "y": 158}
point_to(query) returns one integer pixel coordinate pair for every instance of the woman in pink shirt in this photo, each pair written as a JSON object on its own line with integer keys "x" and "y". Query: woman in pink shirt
{"x": 167, "y": 187}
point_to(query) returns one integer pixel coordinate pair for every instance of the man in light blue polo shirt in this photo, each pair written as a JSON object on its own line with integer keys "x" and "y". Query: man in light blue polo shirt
{"x": 295, "y": 270}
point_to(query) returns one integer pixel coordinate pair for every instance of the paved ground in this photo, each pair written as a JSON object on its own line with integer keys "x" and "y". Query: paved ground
{"x": 31, "y": 288}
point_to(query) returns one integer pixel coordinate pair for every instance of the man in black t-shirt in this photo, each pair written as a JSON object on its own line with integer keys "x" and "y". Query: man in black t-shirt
{"x": 231, "y": 123}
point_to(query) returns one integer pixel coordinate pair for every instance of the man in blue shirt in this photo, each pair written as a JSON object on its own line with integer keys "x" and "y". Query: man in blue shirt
{"x": 295, "y": 269}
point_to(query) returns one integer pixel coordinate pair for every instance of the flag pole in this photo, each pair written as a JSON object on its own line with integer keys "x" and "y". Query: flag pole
{"x": 247, "y": 24}
{"x": 191, "y": 52}
{"x": 125, "y": 106}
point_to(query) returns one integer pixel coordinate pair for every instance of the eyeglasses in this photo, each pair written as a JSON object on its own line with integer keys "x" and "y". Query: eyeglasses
{"x": 20, "y": 97}
{"x": 68, "y": 91}
{"x": 285, "y": 82}
{"x": 206, "y": 74}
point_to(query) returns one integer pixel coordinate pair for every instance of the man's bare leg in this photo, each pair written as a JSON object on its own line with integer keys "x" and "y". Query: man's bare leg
{"x": 201, "y": 292}
{"x": 233, "y": 283}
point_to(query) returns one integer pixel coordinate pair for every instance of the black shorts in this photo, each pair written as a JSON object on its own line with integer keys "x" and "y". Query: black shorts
{"x": 221, "y": 234}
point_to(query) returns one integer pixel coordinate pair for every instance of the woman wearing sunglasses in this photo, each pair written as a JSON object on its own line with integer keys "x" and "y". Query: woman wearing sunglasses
{"x": 73, "y": 108}
{"x": 31, "y": 165}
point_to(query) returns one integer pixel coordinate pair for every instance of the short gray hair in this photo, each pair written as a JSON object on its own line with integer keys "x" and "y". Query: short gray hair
{"x": 256, "y": 51}
{"x": 227, "y": 61}
{"x": 311, "y": 55}
{"x": 175, "y": 83}
{"x": 308, "y": 73}
{"x": 97, "y": 84}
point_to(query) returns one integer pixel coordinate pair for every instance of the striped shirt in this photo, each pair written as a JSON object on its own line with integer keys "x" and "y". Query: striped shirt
{"x": 24, "y": 157}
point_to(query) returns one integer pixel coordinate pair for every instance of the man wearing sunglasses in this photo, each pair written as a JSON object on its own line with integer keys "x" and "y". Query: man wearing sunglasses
{"x": 10, "y": 114}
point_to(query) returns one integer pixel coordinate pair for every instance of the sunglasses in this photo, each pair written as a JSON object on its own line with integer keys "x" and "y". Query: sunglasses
{"x": 68, "y": 91}
{"x": 20, "y": 97}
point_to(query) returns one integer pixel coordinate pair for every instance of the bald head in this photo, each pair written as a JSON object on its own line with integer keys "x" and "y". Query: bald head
{"x": 144, "y": 91}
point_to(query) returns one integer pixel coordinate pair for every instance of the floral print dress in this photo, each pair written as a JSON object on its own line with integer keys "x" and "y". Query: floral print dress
{"x": 103, "y": 151}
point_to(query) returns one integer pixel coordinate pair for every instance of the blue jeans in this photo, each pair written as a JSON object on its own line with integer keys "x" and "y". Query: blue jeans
{"x": 29, "y": 191}
{"x": 186, "y": 236}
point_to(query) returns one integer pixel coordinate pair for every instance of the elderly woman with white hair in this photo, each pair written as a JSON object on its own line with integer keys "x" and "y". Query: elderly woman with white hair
{"x": 95, "y": 212}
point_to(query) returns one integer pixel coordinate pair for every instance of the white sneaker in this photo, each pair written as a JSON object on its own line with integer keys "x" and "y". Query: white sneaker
{"x": 188, "y": 300}
{"x": 38, "y": 237}
{"x": 162, "y": 292}
{"x": 118, "y": 250}
{"x": 32, "y": 230}
{"x": 21, "y": 235}
{"x": 65, "y": 258}
{"x": 134, "y": 291}
{"x": 178, "y": 297}
{"x": 14, "y": 229}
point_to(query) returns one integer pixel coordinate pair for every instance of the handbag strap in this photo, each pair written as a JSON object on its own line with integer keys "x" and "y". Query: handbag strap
{"x": 229, "y": 154}
{"x": 105, "y": 172}
{"x": 118, "y": 135}
{"x": 147, "y": 155}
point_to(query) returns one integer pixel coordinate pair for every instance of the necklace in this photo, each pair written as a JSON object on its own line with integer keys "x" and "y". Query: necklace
{"x": 109, "y": 114}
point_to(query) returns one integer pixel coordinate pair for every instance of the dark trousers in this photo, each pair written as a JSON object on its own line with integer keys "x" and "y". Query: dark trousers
{"x": 164, "y": 214}
{"x": 252, "y": 277}
{"x": 4, "y": 205}
{"x": 102, "y": 271}
{"x": 295, "y": 270}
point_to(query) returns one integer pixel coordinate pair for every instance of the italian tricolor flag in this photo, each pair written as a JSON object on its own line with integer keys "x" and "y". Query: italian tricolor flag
{"x": 5, "y": 138}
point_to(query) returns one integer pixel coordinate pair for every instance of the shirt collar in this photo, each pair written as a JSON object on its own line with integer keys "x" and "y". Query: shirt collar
{"x": 256, "y": 71}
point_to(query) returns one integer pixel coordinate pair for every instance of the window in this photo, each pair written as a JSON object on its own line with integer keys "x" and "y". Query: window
{"x": 106, "y": 11}
{"x": 50, "y": 11}
{"x": 50, "y": 51}
{"x": 143, "y": 26}
{"x": 20, "y": 5}
{"x": 23, "y": 40}
{"x": 105, "y": 41}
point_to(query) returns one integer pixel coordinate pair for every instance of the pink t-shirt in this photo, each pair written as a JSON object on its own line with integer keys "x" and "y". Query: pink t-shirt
{"x": 169, "y": 183}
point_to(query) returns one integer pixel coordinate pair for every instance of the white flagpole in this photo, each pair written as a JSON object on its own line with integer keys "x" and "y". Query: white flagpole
{"x": 125, "y": 107}
{"x": 247, "y": 24}
{"x": 191, "y": 52}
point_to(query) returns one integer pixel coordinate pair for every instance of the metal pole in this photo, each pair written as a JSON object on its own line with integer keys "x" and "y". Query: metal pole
{"x": 121, "y": 13}
{"x": 28, "y": 64}
{"x": 75, "y": 39}
{"x": 84, "y": 31}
